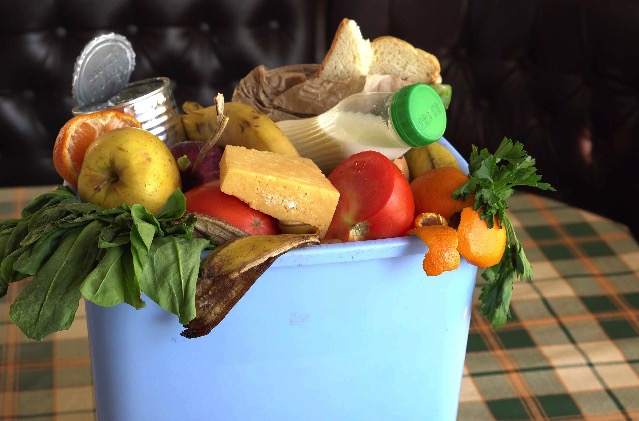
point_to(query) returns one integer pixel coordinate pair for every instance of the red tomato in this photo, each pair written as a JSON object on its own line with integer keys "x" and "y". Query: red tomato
{"x": 375, "y": 199}
{"x": 210, "y": 200}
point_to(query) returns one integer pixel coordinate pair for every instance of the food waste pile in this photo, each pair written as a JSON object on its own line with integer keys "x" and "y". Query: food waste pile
{"x": 135, "y": 215}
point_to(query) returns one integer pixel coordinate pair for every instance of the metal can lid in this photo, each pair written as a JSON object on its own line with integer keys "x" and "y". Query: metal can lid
{"x": 102, "y": 69}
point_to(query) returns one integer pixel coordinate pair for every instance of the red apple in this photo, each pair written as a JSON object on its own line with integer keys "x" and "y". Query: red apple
{"x": 192, "y": 171}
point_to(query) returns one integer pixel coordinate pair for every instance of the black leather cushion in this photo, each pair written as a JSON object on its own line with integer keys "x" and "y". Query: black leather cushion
{"x": 203, "y": 46}
{"x": 559, "y": 76}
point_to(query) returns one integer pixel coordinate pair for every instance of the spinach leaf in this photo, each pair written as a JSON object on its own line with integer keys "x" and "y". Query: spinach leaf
{"x": 49, "y": 302}
{"x": 182, "y": 227}
{"x": 174, "y": 207}
{"x": 144, "y": 229}
{"x": 170, "y": 276}
{"x": 45, "y": 230}
{"x": 118, "y": 233}
{"x": 133, "y": 291}
{"x": 13, "y": 250}
{"x": 34, "y": 256}
{"x": 61, "y": 215}
{"x": 107, "y": 285}
{"x": 60, "y": 195}
{"x": 74, "y": 249}
{"x": 6, "y": 229}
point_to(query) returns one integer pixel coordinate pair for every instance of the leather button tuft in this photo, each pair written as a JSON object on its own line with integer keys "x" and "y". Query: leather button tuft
{"x": 132, "y": 29}
{"x": 28, "y": 94}
{"x": 61, "y": 32}
{"x": 526, "y": 63}
{"x": 462, "y": 52}
{"x": 274, "y": 25}
{"x": 483, "y": 103}
{"x": 205, "y": 27}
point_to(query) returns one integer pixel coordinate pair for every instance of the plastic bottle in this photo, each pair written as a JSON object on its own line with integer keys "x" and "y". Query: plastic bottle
{"x": 387, "y": 122}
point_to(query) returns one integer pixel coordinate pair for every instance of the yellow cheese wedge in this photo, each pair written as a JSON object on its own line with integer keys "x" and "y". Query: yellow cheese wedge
{"x": 288, "y": 188}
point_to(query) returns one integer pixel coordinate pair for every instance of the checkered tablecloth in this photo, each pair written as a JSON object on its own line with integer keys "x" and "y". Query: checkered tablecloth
{"x": 571, "y": 351}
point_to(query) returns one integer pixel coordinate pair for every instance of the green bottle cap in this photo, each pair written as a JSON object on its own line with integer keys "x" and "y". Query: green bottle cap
{"x": 418, "y": 114}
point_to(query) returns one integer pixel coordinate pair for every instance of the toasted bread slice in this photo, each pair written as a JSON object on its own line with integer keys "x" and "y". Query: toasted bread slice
{"x": 350, "y": 54}
{"x": 394, "y": 56}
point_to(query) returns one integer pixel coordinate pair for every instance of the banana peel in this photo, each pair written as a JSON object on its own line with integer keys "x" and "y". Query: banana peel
{"x": 253, "y": 129}
{"x": 199, "y": 122}
{"x": 215, "y": 230}
{"x": 296, "y": 227}
{"x": 246, "y": 127}
{"x": 423, "y": 159}
{"x": 231, "y": 270}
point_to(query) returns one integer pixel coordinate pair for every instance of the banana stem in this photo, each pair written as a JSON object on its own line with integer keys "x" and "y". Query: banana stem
{"x": 222, "y": 120}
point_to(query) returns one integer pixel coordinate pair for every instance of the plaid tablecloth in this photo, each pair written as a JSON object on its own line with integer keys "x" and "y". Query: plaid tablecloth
{"x": 571, "y": 351}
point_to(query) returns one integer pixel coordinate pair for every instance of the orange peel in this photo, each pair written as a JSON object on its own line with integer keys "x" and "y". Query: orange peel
{"x": 442, "y": 255}
{"x": 78, "y": 133}
{"x": 480, "y": 245}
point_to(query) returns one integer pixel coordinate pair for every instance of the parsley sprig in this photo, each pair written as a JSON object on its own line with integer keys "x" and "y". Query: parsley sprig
{"x": 493, "y": 177}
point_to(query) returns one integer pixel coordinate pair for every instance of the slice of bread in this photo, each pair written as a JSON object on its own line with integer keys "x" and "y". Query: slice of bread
{"x": 350, "y": 54}
{"x": 394, "y": 56}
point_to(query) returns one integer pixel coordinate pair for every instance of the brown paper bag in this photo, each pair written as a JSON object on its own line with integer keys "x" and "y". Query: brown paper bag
{"x": 292, "y": 92}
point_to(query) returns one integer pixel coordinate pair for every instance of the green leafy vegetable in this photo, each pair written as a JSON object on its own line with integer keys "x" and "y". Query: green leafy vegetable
{"x": 49, "y": 302}
{"x": 493, "y": 177}
{"x": 75, "y": 250}
{"x": 106, "y": 285}
{"x": 177, "y": 293}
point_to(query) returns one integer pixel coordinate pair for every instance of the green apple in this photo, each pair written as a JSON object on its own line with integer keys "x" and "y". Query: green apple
{"x": 128, "y": 165}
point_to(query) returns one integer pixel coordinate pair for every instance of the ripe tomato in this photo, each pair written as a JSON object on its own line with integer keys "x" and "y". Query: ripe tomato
{"x": 375, "y": 199}
{"x": 210, "y": 200}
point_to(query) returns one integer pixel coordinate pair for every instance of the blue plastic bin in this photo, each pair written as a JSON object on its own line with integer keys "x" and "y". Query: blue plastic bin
{"x": 332, "y": 332}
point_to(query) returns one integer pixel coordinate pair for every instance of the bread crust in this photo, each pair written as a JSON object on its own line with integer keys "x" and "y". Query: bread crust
{"x": 385, "y": 55}
{"x": 330, "y": 57}
{"x": 409, "y": 63}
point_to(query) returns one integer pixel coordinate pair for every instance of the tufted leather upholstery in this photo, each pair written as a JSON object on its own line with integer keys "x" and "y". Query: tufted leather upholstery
{"x": 558, "y": 75}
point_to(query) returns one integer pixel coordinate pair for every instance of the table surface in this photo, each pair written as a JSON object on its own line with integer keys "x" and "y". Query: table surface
{"x": 571, "y": 350}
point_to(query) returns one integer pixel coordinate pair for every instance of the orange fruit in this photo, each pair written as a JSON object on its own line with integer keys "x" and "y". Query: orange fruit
{"x": 442, "y": 254}
{"x": 480, "y": 245}
{"x": 78, "y": 133}
{"x": 433, "y": 192}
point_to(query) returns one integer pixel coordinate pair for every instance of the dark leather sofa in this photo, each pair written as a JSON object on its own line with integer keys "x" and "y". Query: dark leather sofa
{"x": 561, "y": 76}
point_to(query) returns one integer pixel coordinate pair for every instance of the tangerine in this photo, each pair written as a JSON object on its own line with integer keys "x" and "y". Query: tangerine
{"x": 480, "y": 245}
{"x": 433, "y": 192}
{"x": 442, "y": 254}
{"x": 78, "y": 133}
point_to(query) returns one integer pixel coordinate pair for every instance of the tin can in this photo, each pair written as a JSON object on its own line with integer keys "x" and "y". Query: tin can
{"x": 101, "y": 81}
{"x": 151, "y": 101}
